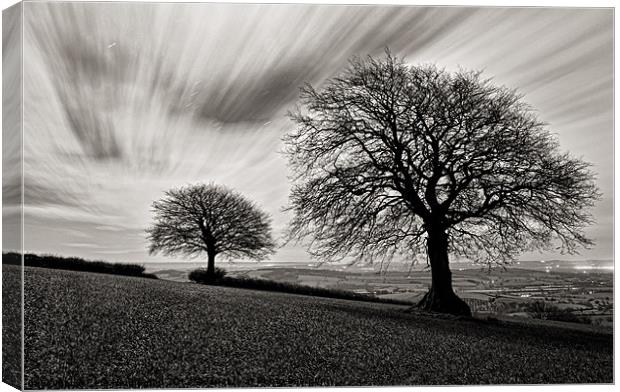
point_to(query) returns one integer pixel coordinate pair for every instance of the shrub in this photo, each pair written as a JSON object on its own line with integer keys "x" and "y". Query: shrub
{"x": 12, "y": 258}
{"x": 538, "y": 309}
{"x": 75, "y": 264}
{"x": 200, "y": 275}
{"x": 545, "y": 311}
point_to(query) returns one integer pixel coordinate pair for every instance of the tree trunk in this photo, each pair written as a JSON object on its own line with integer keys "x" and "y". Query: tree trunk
{"x": 211, "y": 264}
{"x": 441, "y": 297}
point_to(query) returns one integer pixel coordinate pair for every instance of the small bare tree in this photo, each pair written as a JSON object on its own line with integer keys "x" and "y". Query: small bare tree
{"x": 394, "y": 159}
{"x": 209, "y": 219}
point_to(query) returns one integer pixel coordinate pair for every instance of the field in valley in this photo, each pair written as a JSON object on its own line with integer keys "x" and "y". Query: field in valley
{"x": 498, "y": 292}
{"x": 580, "y": 295}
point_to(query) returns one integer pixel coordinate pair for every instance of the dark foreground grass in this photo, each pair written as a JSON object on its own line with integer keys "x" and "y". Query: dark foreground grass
{"x": 99, "y": 331}
{"x": 242, "y": 282}
{"x": 12, "y": 327}
{"x": 76, "y": 264}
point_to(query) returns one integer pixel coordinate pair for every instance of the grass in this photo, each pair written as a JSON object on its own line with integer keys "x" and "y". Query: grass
{"x": 11, "y": 327}
{"x": 88, "y": 331}
{"x": 199, "y": 276}
{"x": 76, "y": 264}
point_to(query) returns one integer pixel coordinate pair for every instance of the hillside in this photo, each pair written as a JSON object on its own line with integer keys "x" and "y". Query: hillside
{"x": 87, "y": 330}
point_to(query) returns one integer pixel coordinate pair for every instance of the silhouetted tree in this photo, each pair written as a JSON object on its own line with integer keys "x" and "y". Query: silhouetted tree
{"x": 212, "y": 219}
{"x": 394, "y": 159}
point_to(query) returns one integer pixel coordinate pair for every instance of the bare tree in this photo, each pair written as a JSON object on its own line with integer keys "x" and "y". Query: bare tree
{"x": 390, "y": 159}
{"x": 212, "y": 219}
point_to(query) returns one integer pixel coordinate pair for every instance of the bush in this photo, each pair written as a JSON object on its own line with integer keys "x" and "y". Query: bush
{"x": 538, "y": 309}
{"x": 200, "y": 275}
{"x": 12, "y": 258}
{"x": 546, "y": 311}
{"x": 75, "y": 264}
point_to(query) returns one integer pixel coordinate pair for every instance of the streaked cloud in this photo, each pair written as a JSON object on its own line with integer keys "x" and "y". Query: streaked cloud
{"x": 80, "y": 245}
{"x": 126, "y": 100}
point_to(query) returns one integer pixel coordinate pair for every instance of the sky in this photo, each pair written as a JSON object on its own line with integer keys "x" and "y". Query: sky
{"x": 126, "y": 100}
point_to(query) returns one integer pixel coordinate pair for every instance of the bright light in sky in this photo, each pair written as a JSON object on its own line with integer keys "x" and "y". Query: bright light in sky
{"x": 126, "y": 100}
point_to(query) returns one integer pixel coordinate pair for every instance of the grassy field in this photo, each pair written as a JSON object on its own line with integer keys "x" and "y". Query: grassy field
{"x": 86, "y": 330}
{"x": 244, "y": 282}
{"x": 11, "y": 327}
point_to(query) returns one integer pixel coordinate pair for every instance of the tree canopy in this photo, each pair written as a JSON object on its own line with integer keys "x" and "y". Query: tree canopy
{"x": 211, "y": 219}
{"x": 390, "y": 159}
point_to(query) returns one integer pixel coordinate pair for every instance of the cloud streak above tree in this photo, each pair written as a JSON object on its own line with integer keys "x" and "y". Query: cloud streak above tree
{"x": 126, "y": 100}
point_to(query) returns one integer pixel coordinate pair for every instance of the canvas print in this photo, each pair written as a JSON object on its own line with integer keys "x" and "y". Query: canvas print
{"x": 205, "y": 195}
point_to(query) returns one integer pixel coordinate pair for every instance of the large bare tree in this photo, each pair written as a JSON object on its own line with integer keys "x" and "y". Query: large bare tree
{"x": 390, "y": 159}
{"x": 210, "y": 219}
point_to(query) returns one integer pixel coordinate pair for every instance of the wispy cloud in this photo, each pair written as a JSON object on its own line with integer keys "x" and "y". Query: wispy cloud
{"x": 80, "y": 245}
{"x": 119, "y": 111}
{"x": 116, "y": 251}
{"x": 109, "y": 228}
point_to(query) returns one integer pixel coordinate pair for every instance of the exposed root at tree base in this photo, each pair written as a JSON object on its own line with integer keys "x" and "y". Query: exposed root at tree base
{"x": 444, "y": 302}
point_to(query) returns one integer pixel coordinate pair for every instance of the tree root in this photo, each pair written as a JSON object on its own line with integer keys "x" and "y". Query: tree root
{"x": 444, "y": 302}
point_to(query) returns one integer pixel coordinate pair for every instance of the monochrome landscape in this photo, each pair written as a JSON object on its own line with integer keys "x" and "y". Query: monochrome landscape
{"x": 207, "y": 195}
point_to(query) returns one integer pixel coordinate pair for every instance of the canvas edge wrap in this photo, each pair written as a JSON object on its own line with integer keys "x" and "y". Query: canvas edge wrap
{"x": 12, "y": 195}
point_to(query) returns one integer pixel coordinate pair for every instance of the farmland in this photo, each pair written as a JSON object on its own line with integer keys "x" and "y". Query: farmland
{"x": 580, "y": 295}
{"x": 588, "y": 296}
{"x": 86, "y": 330}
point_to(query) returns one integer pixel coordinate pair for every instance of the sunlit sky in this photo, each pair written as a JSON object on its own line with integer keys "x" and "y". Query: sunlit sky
{"x": 126, "y": 100}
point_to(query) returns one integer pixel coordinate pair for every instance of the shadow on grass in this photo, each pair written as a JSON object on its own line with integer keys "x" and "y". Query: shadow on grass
{"x": 200, "y": 276}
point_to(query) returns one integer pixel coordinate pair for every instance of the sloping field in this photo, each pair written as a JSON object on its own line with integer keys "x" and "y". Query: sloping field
{"x": 88, "y": 330}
